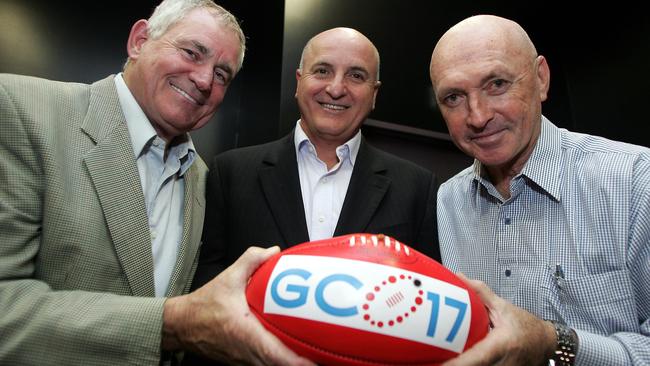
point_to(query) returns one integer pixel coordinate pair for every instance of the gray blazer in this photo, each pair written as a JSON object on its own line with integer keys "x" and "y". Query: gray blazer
{"x": 76, "y": 268}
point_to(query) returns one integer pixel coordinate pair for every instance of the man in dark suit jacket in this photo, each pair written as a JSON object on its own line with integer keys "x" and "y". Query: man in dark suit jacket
{"x": 269, "y": 194}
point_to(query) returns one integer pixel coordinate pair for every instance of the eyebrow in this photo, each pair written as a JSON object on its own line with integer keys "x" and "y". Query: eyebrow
{"x": 205, "y": 51}
{"x": 201, "y": 48}
{"x": 491, "y": 76}
{"x": 353, "y": 68}
{"x": 360, "y": 69}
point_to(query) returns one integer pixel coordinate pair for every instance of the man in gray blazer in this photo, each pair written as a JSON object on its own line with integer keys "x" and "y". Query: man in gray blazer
{"x": 323, "y": 179}
{"x": 102, "y": 205}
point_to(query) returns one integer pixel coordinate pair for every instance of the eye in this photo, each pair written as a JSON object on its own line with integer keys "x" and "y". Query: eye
{"x": 498, "y": 86}
{"x": 189, "y": 53}
{"x": 357, "y": 76}
{"x": 452, "y": 100}
{"x": 321, "y": 72}
{"x": 221, "y": 77}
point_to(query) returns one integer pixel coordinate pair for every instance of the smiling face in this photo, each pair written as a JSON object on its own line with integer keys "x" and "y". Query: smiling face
{"x": 489, "y": 85}
{"x": 180, "y": 78}
{"x": 337, "y": 85}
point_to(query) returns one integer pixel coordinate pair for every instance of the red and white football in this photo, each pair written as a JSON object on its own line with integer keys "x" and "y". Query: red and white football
{"x": 366, "y": 299}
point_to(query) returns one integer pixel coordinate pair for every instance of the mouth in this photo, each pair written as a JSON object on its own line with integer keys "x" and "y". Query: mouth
{"x": 185, "y": 95}
{"x": 334, "y": 107}
{"x": 486, "y": 138}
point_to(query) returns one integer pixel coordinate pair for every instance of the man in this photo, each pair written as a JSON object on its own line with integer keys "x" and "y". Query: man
{"x": 553, "y": 223}
{"x": 323, "y": 179}
{"x": 102, "y": 205}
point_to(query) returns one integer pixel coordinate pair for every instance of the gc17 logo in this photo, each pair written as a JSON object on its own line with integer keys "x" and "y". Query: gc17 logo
{"x": 371, "y": 297}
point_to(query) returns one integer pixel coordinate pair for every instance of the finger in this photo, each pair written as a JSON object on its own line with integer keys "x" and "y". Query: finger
{"x": 484, "y": 292}
{"x": 484, "y": 352}
{"x": 277, "y": 353}
{"x": 252, "y": 258}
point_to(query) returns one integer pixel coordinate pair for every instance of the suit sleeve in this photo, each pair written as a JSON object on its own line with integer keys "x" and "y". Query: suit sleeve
{"x": 427, "y": 234}
{"x": 39, "y": 325}
{"x": 213, "y": 250}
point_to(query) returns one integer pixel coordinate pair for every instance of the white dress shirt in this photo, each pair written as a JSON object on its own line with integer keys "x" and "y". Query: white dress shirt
{"x": 323, "y": 191}
{"x": 162, "y": 182}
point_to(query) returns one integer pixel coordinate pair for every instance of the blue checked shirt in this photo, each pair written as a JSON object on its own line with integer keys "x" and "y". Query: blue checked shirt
{"x": 571, "y": 244}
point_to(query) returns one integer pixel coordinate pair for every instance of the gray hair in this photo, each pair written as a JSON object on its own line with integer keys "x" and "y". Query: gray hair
{"x": 169, "y": 12}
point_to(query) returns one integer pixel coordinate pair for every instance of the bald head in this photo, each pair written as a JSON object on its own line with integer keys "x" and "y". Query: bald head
{"x": 479, "y": 36}
{"x": 489, "y": 85}
{"x": 343, "y": 35}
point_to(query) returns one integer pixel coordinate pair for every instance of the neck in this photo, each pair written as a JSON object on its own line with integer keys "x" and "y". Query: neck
{"x": 327, "y": 154}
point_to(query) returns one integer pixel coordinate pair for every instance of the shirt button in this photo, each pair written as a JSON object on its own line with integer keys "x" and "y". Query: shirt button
{"x": 508, "y": 273}
{"x": 153, "y": 235}
{"x": 321, "y": 219}
{"x": 507, "y": 221}
{"x": 325, "y": 180}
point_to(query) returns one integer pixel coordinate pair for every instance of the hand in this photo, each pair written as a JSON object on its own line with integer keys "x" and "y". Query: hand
{"x": 215, "y": 320}
{"x": 517, "y": 336}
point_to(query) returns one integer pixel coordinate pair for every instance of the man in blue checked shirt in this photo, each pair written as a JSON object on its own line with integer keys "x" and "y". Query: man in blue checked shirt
{"x": 553, "y": 227}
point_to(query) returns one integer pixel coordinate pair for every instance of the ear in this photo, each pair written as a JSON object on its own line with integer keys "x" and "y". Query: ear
{"x": 298, "y": 76}
{"x": 543, "y": 77}
{"x": 374, "y": 97}
{"x": 138, "y": 36}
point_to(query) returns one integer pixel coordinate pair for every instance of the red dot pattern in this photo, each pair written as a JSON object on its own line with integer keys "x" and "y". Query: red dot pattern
{"x": 418, "y": 301}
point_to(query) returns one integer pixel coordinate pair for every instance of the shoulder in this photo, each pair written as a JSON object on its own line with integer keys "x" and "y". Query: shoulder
{"x": 29, "y": 85}
{"x": 458, "y": 185}
{"x": 30, "y": 97}
{"x": 249, "y": 157}
{"x": 394, "y": 164}
{"x": 603, "y": 157}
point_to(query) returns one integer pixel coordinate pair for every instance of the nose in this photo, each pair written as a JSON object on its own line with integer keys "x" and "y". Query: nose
{"x": 203, "y": 77}
{"x": 480, "y": 112}
{"x": 336, "y": 87}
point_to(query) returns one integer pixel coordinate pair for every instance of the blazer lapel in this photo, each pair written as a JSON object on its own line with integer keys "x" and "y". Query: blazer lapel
{"x": 281, "y": 186}
{"x": 114, "y": 173}
{"x": 193, "y": 215}
{"x": 367, "y": 188}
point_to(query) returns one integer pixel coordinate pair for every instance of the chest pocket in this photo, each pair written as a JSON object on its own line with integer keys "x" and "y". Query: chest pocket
{"x": 601, "y": 303}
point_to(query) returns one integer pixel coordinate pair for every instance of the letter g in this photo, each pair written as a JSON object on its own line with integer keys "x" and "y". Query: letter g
{"x": 300, "y": 290}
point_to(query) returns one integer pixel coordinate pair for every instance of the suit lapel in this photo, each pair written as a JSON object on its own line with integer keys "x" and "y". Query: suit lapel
{"x": 281, "y": 186}
{"x": 367, "y": 188}
{"x": 193, "y": 214}
{"x": 114, "y": 173}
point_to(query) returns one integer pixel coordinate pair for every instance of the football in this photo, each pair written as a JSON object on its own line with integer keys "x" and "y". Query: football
{"x": 365, "y": 299}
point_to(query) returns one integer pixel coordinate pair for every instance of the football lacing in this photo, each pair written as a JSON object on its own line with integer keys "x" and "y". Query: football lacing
{"x": 375, "y": 242}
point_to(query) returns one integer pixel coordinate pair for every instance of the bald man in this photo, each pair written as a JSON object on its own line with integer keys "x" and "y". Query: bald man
{"x": 548, "y": 224}
{"x": 323, "y": 179}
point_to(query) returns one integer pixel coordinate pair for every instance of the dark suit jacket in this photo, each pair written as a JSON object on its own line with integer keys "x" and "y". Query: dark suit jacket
{"x": 254, "y": 198}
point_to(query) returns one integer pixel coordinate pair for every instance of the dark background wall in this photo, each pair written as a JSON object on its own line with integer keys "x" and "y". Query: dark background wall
{"x": 598, "y": 57}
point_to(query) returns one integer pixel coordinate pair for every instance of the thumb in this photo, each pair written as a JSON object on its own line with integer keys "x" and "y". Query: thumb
{"x": 252, "y": 258}
{"x": 487, "y": 296}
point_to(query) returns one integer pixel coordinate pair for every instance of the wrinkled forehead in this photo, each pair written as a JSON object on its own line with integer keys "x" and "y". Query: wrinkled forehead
{"x": 341, "y": 50}
{"x": 478, "y": 50}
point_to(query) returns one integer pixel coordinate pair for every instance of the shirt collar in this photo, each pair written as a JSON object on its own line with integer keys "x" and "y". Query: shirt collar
{"x": 142, "y": 132}
{"x": 545, "y": 164}
{"x": 300, "y": 139}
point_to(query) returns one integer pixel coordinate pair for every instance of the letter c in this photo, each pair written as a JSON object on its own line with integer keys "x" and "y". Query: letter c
{"x": 332, "y": 310}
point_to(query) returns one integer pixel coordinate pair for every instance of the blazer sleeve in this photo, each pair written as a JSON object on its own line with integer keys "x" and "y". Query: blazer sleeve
{"x": 39, "y": 325}
{"x": 213, "y": 249}
{"x": 427, "y": 235}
